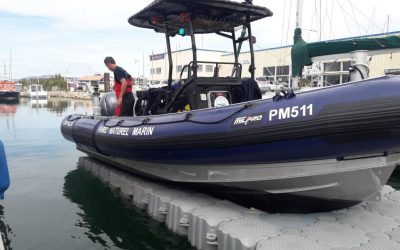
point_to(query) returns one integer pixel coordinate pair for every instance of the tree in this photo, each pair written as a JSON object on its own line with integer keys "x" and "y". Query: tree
{"x": 48, "y": 83}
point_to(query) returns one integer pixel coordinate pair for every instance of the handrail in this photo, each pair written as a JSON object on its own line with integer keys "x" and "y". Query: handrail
{"x": 180, "y": 91}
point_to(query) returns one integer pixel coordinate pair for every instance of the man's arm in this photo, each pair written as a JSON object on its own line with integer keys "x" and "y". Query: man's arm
{"x": 124, "y": 85}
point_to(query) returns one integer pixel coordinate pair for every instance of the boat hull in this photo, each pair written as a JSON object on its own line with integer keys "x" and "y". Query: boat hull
{"x": 9, "y": 95}
{"x": 38, "y": 96}
{"x": 352, "y": 180}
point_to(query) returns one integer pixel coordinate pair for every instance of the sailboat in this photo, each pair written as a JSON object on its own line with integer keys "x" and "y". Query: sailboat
{"x": 357, "y": 50}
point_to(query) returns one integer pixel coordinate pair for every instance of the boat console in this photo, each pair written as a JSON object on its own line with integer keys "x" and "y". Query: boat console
{"x": 187, "y": 18}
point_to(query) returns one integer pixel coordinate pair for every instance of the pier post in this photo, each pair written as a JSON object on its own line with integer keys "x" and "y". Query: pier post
{"x": 359, "y": 70}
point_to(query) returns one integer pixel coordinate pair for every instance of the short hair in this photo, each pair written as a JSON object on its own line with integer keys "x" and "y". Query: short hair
{"x": 108, "y": 60}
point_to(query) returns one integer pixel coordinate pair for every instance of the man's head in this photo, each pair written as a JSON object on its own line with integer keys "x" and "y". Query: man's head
{"x": 110, "y": 63}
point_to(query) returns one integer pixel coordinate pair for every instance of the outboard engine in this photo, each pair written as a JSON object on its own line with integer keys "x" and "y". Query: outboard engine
{"x": 108, "y": 104}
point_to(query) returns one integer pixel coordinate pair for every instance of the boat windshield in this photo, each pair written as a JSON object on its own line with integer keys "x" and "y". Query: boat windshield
{"x": 36, "y": 88}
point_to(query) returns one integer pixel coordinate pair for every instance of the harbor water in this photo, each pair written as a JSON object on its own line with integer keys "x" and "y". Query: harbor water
{"x": 53, "y": 205}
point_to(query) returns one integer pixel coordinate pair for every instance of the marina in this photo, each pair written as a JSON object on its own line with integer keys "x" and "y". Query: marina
{"x": 97, "y": 215}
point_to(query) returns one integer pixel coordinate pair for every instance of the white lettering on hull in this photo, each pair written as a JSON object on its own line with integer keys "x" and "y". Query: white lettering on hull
{"x": 143, "y": 131}
{"x": 118, "y": 131}
{"x": 244, "y": 120}
{"x": 140, "y": 131}
{"x": 68, "y": 123}
{"x": 102, "y": 130}
{"x": 291, "y": 112}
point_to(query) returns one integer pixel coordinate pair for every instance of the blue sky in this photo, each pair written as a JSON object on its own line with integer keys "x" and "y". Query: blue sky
{"x": 73, "y": 37}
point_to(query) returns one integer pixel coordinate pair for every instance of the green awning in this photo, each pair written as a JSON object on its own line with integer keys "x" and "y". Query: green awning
{"x": 302, "y": 52}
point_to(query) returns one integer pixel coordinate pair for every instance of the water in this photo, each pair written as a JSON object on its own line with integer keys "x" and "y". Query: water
{"x": 394, "y": 180}
{"x": 53, "y": 205}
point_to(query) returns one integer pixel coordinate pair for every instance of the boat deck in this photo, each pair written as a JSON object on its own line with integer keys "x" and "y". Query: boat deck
{"x": 210, "y": 223}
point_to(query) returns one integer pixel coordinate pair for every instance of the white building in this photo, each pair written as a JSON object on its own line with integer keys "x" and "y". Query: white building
{"x": 159, "y": 63}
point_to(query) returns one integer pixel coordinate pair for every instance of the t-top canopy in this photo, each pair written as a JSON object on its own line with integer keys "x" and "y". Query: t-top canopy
{"x": 208, "y": 16}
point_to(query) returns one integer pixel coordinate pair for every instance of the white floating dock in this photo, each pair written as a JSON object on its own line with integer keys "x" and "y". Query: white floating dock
{"x": 212, "y": 224}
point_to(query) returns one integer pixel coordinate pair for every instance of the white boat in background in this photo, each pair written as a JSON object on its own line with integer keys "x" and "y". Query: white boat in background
{"x": 36, "y": 91}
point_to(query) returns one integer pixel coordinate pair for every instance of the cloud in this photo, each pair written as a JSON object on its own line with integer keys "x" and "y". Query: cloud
{"x": 77, "y": 14}
{"x": 53, "y": 36}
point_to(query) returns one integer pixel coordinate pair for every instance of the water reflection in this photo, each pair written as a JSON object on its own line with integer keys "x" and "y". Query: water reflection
{"x": 38, "y": 103}
{"x": 79, "y": 104}
{"x": 13, "y": 101}
{"x": 394, "y": 180}
{"x": 103, "y": 214}
{"x": 58, "y": 106}
{"x": 5, "y": 229}
{"x": 8, "y": 109}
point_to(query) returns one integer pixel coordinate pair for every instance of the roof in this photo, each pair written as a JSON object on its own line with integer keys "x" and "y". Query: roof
{"x": 208, "y": 16}
{"x": 190, "y": 49}
{"x": 91, "y": 78}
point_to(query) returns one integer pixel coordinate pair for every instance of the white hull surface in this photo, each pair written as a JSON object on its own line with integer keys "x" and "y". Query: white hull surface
{"x": 357, "y": 179}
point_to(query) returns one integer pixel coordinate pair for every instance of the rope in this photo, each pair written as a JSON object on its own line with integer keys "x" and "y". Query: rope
{"x": 345, "y": 19}
{"x": 287, "y": 33}
{"x": 75, "y": 118}
{"x": 367, "y": 18}
{"x": 187, "y": 119}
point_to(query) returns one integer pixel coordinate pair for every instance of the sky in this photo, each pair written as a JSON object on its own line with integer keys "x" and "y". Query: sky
{"x": 72, "y": 37}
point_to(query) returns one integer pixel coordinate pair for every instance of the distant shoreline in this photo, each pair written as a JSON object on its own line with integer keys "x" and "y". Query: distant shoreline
{"x": 64, "y": 94}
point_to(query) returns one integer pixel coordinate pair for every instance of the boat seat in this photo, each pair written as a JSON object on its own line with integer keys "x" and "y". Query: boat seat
{"x": 150, "y": 102}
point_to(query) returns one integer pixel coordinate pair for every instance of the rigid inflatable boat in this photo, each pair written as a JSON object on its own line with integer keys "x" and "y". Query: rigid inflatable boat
{"x": 339, "y": 143}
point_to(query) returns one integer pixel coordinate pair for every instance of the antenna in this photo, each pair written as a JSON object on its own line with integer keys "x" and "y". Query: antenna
{"x": 320, "y": 20}
{"x": 10, "y": 67}
{"x": 388, "y": 21}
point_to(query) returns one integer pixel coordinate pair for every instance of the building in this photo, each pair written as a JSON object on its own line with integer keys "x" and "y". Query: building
{"x": 275, "y": 63}
{"x": 86, "y": 82}
{"x": 159, "y": 63}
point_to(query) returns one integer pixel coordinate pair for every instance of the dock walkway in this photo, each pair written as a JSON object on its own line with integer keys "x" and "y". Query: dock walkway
{"x": 211, "y": 224}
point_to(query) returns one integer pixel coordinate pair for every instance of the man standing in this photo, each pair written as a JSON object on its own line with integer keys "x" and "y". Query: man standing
{"x": 123, "y": 88}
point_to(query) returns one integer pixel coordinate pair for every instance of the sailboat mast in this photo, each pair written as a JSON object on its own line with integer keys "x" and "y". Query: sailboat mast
{"x": 9, "y": 67}
{"x": 320, "y": 20}
{"x": 299, "y": 13}
{"x": 299, "y": 17}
